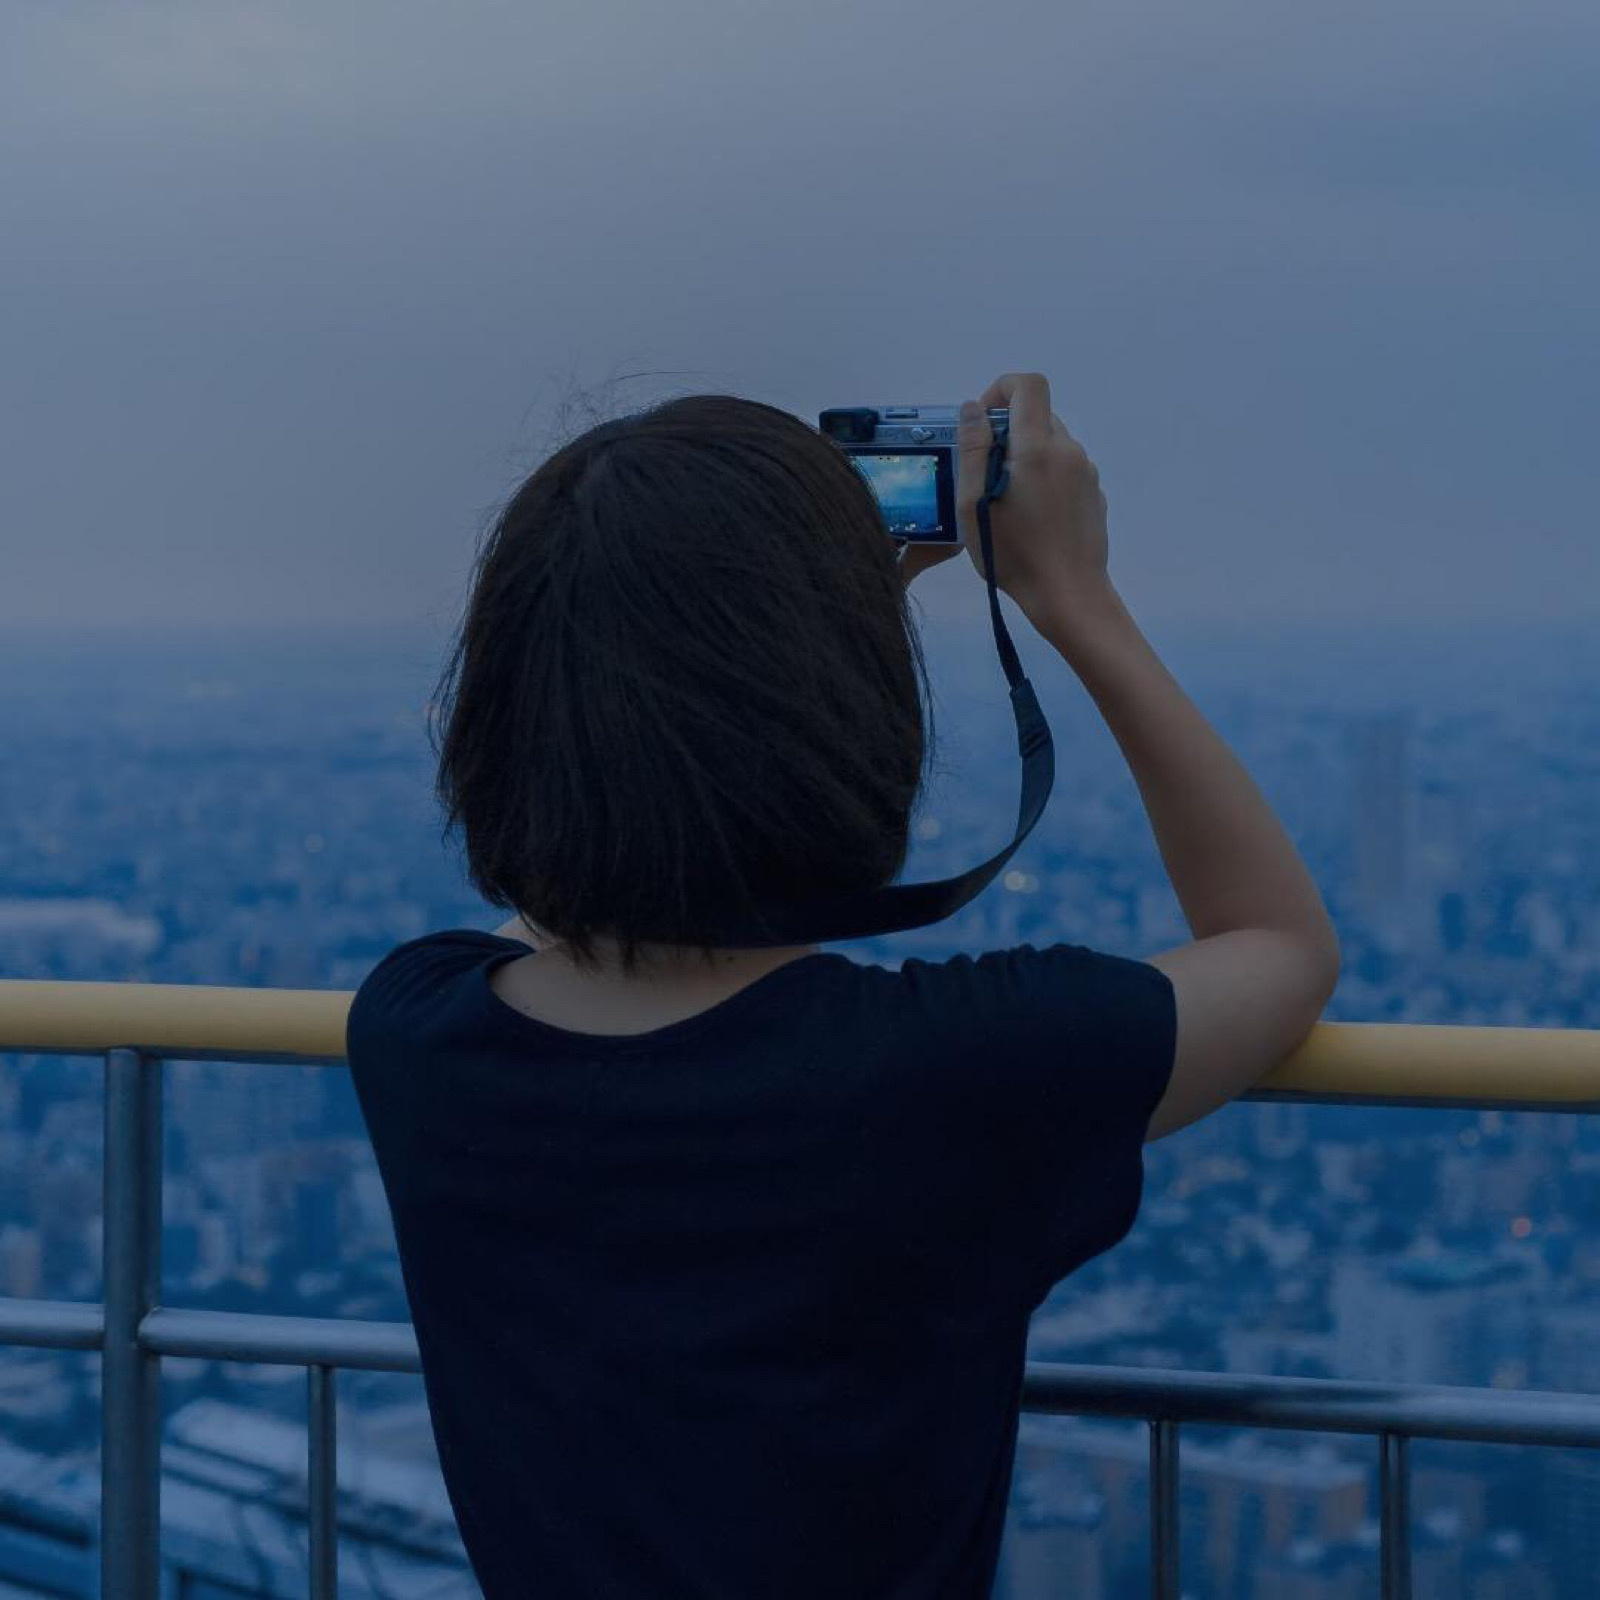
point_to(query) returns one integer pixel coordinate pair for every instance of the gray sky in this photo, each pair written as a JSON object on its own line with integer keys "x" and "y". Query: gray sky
{"x": 287, "y": 291}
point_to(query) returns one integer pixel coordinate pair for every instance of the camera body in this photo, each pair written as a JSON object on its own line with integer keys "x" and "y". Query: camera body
{"x": 908, "y": 456}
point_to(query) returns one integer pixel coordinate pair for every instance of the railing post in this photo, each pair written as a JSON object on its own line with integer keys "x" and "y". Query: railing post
{"x": 1394, "y": 1506}
{"x": 130, "y": 1376}
{"x": 321, "y": 1479}
{"x": 1163, "y": 1509}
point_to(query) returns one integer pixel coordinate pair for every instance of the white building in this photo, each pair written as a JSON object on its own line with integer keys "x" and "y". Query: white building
{"x": 1426, "y": 1319}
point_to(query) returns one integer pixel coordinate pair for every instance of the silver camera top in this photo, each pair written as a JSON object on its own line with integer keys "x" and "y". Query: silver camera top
{"x": 903, "y": 424}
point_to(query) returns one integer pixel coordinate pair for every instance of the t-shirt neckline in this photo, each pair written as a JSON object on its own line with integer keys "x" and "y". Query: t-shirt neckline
{"x": 733, "y": 1005}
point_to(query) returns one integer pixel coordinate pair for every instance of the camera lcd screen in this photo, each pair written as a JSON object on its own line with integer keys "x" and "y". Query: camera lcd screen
{"x": 907, "y": 487}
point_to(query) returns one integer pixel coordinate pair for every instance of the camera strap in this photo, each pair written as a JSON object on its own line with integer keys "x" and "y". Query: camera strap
{"x": 823, "y": 919}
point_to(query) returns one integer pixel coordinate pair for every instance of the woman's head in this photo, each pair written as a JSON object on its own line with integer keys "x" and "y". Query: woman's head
{"x": 687, "y": 682}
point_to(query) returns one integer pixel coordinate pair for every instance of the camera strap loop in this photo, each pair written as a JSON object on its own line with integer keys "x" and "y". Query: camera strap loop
{"x": 826, "y": 918}
{"x": 994, "y": 485}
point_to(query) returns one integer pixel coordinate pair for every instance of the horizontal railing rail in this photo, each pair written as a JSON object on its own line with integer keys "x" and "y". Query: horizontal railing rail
{"x": 136, "y": 1027}
{"x": 1362, "y": 1062}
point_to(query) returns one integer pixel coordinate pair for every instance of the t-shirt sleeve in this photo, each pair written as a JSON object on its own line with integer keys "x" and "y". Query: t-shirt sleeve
{"x": 395, "y": 1010}
{"x": 1078, "y": 1050}
{"x": 412, "y": 976}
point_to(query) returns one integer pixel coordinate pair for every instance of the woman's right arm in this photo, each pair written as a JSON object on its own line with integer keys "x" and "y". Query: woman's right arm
{"x": 1265, "y": 955}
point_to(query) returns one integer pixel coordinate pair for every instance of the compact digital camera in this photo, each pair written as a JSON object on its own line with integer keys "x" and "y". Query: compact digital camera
{"x": 908, "y": 456}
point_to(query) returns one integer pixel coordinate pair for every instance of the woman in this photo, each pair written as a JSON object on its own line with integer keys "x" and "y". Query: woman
{"x": 721, "y": 1260}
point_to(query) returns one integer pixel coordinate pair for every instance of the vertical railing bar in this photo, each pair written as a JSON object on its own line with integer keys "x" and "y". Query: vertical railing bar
{"x": 152, "y": 1175}
{"x": 130, "y": 1376}
{"x": 321, "y": 1478}
{"x": 1394, "y": 1503}
{"x": 1163, "y": 1509}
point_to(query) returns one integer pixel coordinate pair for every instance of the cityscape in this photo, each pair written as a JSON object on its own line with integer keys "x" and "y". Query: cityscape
{"x": 242, "y": 809}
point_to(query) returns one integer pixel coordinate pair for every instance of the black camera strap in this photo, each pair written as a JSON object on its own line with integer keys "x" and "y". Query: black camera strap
{"x": 823, "y": 919}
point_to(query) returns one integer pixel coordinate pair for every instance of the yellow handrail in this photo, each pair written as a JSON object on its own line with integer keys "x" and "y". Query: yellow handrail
{"x": 87, "y": 1018}
{"x": 1362, "y": 1060}
{"x": 1428, "y": 1061}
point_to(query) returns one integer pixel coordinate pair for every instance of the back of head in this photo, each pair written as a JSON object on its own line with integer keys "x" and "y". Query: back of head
{"x": 687, "y": 682}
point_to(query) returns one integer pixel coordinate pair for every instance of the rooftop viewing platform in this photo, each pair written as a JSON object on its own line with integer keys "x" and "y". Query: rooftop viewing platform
{"x": 136, "y": 1027}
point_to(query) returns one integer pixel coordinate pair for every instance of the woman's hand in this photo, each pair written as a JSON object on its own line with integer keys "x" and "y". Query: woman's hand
{"x": 1049, "y": 528}
{"x": 915, "y": 558}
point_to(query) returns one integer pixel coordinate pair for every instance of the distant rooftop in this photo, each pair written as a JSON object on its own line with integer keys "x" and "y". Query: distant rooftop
{"x": 1452, "y": 1270}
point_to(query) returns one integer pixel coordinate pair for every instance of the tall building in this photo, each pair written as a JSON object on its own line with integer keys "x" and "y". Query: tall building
{"x": 1380, "y": 814}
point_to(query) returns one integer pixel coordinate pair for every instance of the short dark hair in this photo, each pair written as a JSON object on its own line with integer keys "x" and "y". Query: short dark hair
{"x": 687, "y": 681}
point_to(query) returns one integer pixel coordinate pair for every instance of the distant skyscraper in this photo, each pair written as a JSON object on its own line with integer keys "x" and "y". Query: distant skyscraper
{"x": 1380, "y": 811}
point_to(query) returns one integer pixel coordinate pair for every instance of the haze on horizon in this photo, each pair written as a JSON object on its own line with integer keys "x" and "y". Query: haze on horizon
{"x": 289, "y": 295}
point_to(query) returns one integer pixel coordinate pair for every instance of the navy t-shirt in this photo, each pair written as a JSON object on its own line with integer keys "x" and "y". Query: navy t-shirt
{"x": 738, "y": 1307}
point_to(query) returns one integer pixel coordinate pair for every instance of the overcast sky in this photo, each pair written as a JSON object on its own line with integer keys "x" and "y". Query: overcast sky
{"x": 289, "y": 290}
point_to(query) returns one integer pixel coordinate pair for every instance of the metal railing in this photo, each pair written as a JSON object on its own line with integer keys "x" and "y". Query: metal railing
{"x": 135, "y": 1027}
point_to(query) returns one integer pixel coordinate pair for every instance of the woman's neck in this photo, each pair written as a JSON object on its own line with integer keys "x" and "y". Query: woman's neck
{"x": 670, "y": 966}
